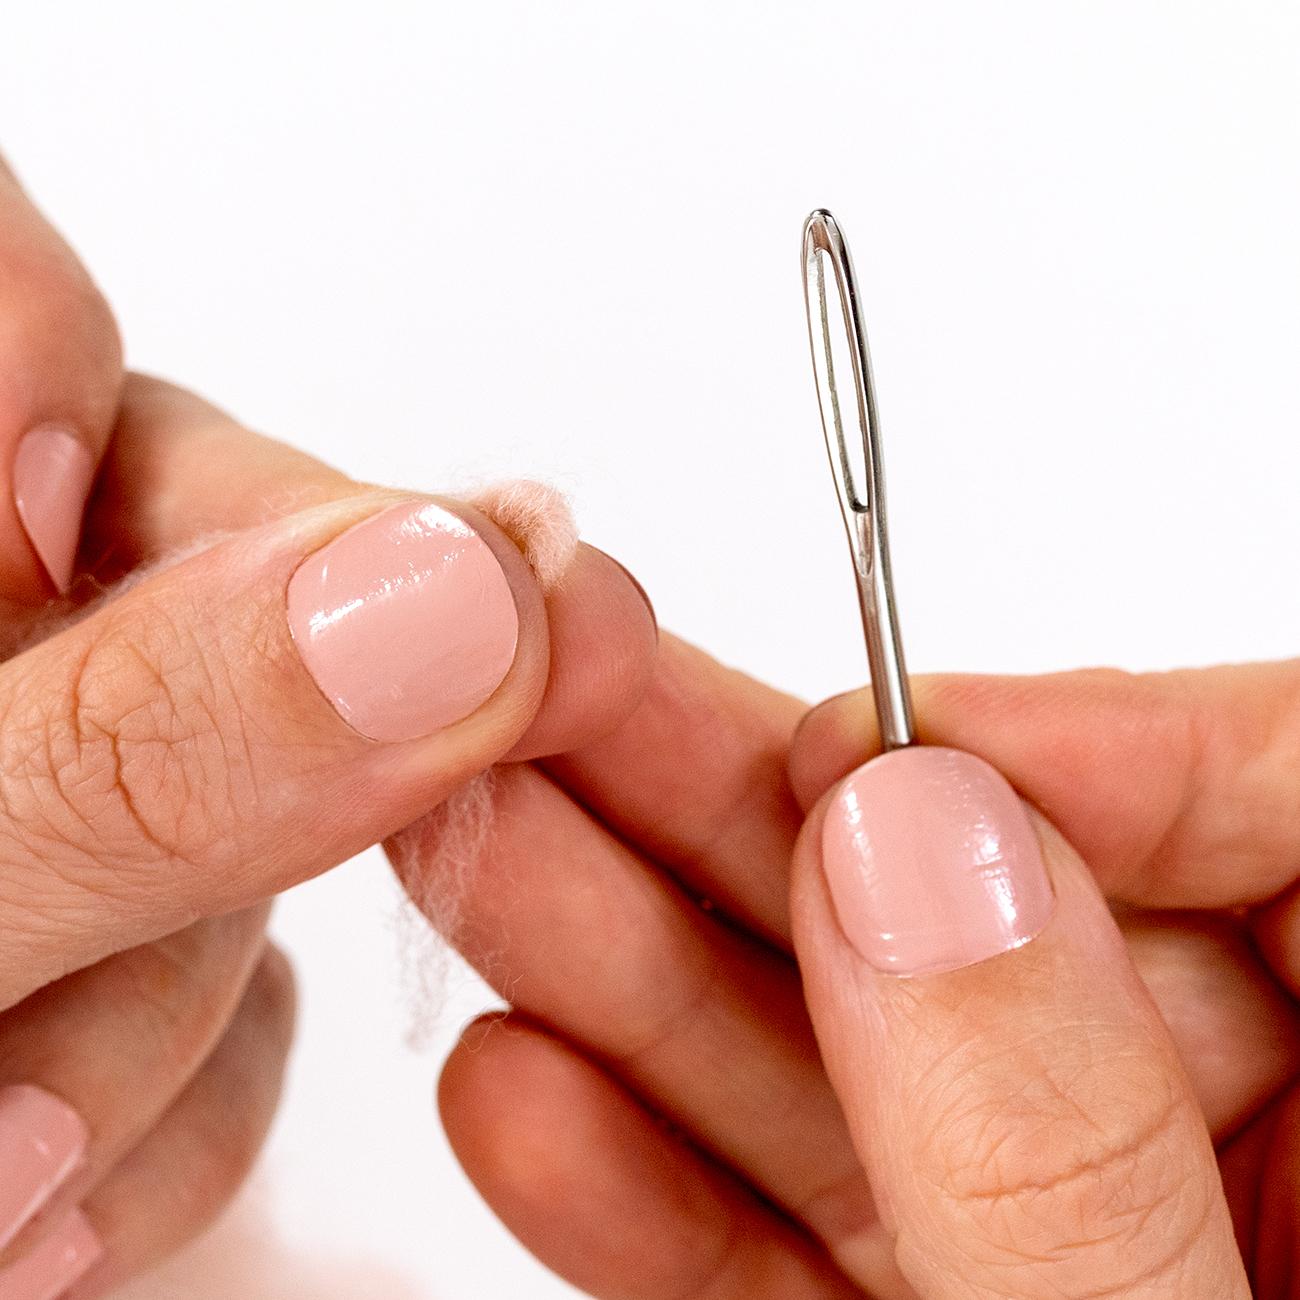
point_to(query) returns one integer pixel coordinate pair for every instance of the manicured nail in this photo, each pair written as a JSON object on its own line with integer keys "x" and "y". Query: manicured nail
{"x": 53, "y": 471}
{"x": 42, "y": 1140}
{"x": 932, "y": 862}
{"x": 65, "y": 1254}
{"x": 406, "y": 622}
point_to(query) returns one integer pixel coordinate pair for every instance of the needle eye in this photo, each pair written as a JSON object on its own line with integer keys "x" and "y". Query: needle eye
{"x": 846, "y": 395}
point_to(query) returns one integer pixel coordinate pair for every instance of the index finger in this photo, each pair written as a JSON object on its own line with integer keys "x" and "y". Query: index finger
{"x": 1179, "y": 789}
{"x": 60, "y": 379}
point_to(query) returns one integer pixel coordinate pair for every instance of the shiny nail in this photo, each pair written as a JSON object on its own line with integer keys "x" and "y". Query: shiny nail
{"x": 52, "y": 473}
{"x": 42, "y": 1140}
{"x": 406, "y": 622}
{"x": 932, "y": 862}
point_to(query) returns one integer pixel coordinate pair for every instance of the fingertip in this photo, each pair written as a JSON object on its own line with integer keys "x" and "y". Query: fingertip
{"x": 464, "y": 1060}
{"x": 604, "y": 641}
{"x": 60, "y": 383}
{"x": 832, "y": 738}
{"x": 500, "y": 1069}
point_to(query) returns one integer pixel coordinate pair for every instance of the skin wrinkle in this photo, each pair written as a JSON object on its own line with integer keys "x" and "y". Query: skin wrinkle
{"x": 72, "y": 729}
{"x": 243, "y": 720}
{"x": 673, "y": 1023}
{"x": 175, "y": 722}
{"x": 739, "y": 808}
{"x": 1129, "y": 1181}
{"x": 1147, "y": 715}
{"x": 1109, "y": 1152}
{"x": 1078, "y": 1033}
{"x": 1130, "y": 1167}
{"x": 42, "y": 765}
{"x": 176, "y": 977}
{"x": 82, "y": 775}
{"x": 1170, "y": 1264}
{"x": 1062, "y": 1093}
{"x": 30, "y": 773}
{"x": 174, "y": 752}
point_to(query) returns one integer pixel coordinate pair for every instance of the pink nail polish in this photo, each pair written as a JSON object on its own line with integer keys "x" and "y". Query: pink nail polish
{"x": 53, "y": 471}
{"x": 406, "y": 622}
{"x": 932, "y": 862}
{"x": 66, "y": 1253}
{"x": 42, "y": 1140}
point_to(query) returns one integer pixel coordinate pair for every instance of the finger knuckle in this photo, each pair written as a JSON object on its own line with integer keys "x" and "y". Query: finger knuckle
{"x": 1087, "y": 1153}
{"x": 133, "y": 757}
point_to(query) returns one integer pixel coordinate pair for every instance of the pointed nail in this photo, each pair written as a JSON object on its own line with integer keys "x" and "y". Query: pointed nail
{"x": 42, "y": 1140}
{"x": 52, "y": 474}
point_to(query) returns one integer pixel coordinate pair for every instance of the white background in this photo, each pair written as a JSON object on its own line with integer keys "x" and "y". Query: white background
{"x": 437, "y": 241}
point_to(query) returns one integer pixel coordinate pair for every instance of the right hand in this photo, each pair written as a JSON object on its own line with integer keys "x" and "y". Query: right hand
{"x": 653, "y": 1117}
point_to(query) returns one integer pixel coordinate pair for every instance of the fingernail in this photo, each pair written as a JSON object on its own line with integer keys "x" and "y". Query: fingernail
{"x": 932, "y": 862}
{"x": 406, "y": 622}
{"x": 42, "y": 1140}
{"x": 53, "y": 471}
{"x": 67, "y": 1253}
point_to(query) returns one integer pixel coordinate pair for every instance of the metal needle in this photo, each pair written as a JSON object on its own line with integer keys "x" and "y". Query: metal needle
{"x": 838, "y": 339}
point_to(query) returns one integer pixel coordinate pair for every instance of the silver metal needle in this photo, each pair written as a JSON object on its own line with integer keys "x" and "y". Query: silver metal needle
{"x": 839, "y": 343}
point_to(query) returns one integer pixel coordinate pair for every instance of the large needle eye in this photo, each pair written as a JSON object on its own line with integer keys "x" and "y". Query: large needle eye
{"x": 845, "y": 392}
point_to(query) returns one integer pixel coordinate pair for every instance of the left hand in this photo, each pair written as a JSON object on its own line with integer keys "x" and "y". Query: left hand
{"x": 168, "y": 762}
{"x": 653, "y": 1118}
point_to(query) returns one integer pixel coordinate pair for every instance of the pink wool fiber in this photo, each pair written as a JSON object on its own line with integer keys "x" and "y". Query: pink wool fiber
{"x": 537, "y": 518}
{"x": 436, "y": 856}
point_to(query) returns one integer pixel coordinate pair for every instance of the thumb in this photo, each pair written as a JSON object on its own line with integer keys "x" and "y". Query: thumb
{"x": 268, "y": 708}
{"x": 1009, "y": 1084}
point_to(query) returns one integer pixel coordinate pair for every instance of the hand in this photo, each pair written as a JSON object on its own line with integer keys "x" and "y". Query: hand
{"x": 653, "y": 1118}
{"x": 174, "y": 755}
